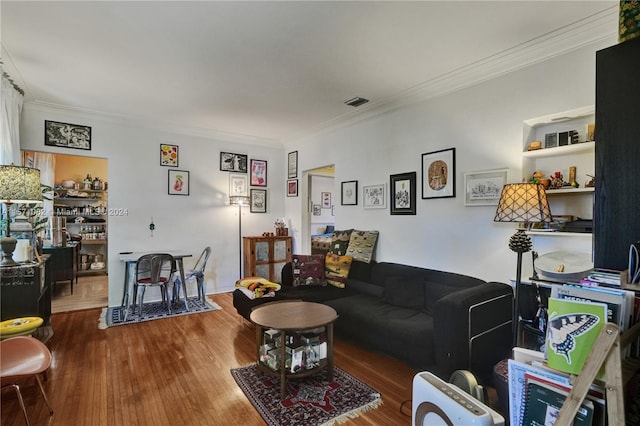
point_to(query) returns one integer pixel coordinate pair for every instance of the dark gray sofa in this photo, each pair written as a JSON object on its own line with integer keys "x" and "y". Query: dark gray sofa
{"x": 432, "y": 320}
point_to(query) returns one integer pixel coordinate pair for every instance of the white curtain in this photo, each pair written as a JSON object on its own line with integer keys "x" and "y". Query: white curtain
{"x": 46, "y": 163}
{"x": 11, "y": 102}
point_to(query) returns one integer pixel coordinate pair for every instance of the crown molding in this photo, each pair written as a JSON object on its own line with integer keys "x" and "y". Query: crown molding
{"x": 151, "y": 124}
{"x": 597, "y": 28}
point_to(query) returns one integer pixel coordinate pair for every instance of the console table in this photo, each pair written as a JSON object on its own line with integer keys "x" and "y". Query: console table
{"x": 64, "y": 262}
{"x": 291, "y": 318}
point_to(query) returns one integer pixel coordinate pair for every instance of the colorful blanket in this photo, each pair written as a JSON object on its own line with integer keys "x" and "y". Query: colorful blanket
{"x": 254, "y": 287}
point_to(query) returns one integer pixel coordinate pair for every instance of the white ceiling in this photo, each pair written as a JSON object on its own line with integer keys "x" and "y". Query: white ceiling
{"x": 276, "y": 70}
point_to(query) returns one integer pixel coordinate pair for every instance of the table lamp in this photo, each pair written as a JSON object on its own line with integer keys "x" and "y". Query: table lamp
{"x": 17, "y": 185}
{"x": 524, "y": 203}
{"x": 239, "y": 200}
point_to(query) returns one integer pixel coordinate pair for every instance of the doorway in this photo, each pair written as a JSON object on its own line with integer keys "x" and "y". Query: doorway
{"x": 321, "y": 198}
{"x": 82, "y": 208}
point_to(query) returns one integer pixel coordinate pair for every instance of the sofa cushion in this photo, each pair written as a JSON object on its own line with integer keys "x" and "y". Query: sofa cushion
{"x": 405, "y": 293}
{"x": 340, "y": 242}
{"x": 362, "y": 245}
{"x": 337, "y": 269}
{"x": 308, "y": 269}
{"x": 434, "y": 292}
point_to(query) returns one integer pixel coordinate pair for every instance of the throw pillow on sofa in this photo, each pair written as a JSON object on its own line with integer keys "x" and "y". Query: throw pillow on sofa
{"x": 340, "y": 242}
{"x": 404, "y": 292}
{"x": 308, "y": 269}
{"x": 336, "y": 269}
{"x": 362, "y": 244}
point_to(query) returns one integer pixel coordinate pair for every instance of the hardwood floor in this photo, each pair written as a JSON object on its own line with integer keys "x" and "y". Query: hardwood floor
{"x": 91, "y": 291}
{"x": 175, "y": 371}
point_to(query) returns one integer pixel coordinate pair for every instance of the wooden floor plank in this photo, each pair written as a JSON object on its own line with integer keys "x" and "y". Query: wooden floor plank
{"x": 175, "y": 371}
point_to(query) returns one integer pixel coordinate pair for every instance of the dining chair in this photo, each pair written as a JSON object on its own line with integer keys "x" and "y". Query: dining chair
{"x": 196, "y": 273}
{"x": 155, "y": 269}
{"x": 24, "y": 356}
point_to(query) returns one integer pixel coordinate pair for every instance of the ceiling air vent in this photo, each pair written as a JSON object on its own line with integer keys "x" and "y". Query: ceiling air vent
{"x": 356, "y": 102}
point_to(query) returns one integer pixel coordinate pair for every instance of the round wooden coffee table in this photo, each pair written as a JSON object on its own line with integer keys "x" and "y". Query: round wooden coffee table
{"x": 291, "y": 319}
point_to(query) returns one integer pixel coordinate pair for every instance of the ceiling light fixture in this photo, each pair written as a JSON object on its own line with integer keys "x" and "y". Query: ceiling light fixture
{"x": 356, "y": 102}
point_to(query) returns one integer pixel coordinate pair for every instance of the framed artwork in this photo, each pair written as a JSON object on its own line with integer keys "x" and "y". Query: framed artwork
{"x": 349, "y": 193}
{"x": 67, "y": 135}
{"x": 402, "y": 188}
{"x": 292, "y": 188}
{"x": 258, "y": 173}
{"x": 238, "y": 185}
{"x": 317, "y": 210}
{"x": 374, "y": 196}
{"x": 292, "y": 165}
{"x": 258, "y": 202}
{"x": 230, "y": 162}
{"x": 484, "y": 188}
{"x": 168, "y": 155}
{"x": 178, "y": 182}
{"x": 326, "y": 200}
{"x": 439, "y": 174}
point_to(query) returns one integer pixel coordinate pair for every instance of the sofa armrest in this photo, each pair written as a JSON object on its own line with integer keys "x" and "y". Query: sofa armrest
{"x": 472, "y": 329}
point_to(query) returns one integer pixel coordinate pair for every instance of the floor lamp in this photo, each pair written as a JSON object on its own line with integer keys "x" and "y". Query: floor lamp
{"x": 523, "y": 203}
{"x": 239, "y": 200}
{"x": 17, "y": 185}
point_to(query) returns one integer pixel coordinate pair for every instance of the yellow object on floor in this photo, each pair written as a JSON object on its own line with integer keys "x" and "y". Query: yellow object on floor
{"x": 19, "y": 327}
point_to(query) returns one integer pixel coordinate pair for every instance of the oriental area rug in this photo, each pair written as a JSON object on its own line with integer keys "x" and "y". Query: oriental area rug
{"x": 310, "y": 400}
{"x": 154, "y": 310}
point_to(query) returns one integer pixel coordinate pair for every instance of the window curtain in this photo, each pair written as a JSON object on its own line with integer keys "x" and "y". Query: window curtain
{"x": 46, "y": 163}
{"x": 11, "y": 107}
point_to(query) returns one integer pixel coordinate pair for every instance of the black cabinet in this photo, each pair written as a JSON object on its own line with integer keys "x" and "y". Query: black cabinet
{"x": 63, "y": 264}
{"x": 617, "y": 199}
{"x": 25, "y": 292}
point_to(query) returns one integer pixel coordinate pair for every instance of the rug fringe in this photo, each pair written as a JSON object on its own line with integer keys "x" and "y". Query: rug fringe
{"x": 355, "y": 413}
{"x": 102, "y": 320}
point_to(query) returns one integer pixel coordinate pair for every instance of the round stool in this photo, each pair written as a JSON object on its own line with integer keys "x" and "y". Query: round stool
{"x": 19, "y": 327}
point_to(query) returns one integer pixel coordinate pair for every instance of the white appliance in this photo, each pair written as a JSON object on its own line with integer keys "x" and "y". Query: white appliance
{"x": 436, "y": 402}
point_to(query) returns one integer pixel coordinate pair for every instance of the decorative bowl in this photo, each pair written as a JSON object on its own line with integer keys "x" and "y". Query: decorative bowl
{"x": 68, "y": 183}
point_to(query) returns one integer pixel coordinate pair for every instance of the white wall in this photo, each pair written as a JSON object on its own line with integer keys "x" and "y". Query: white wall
{"x": 138, "y": 186}
{"x": 484, "y": 123}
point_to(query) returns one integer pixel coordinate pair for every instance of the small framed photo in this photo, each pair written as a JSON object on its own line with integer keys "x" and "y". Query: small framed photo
{"x": 484, "y": 188}
{"x": 230, "y": 162}
{"x": 292, "y": 165}
{"x": 67, "y": 135}
{"x": 374, "y": 196}
{"x": 258, "y": 201}
{"x": 178, "y": 182}
{"x": 168, "y": 155}
{"x": 439, "y": 174}
{"x": 258, "y": 173}
{"x": 402, "y": 188}
{"x": 317, "y": 210}
{"x": 292, "y": 188}
{"x": 238, "y": 185}
{"x": 349, "y": 193}
{"x": 326, "y": 200}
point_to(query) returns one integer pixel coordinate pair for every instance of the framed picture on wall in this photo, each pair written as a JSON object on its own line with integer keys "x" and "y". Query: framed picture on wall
{"x": 230, "y": 162}
{"x": 178, "y": 182}
{"x": 317, "y": 210}
{"x": 484, "y": 188}
{"x": 349, "y": 193}
{"x": 439, "y": 174}
{"x": 402, "y": 188}
{"x": 168, "y": 155}
{"x": 258, "y": 202}
{"x": 292, "y": 188}
{"x": 258, "y": 172}
{"x": 326, "y": 200}
{"x": 67, "y": 135}
{"x": 238, "y": 185}
{"x": 292, "y": 165}
{"x": 374, "y": 196}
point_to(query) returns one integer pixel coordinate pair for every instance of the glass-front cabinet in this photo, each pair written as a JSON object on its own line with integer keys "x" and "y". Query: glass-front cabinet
{"x": 265, "y": 256}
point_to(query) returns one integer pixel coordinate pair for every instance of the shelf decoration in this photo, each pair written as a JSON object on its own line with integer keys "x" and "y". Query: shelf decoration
{"x": 168, "y": 155}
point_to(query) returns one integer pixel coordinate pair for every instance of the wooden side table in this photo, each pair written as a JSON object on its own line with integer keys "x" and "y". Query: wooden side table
{"x": 290, "y": 318}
